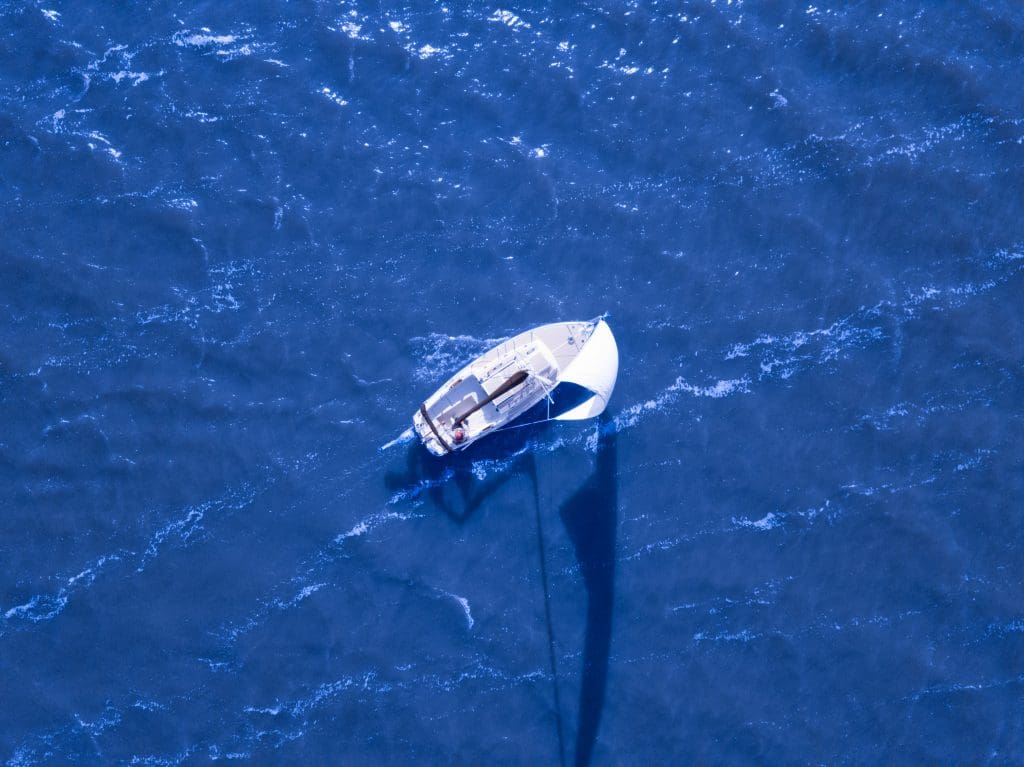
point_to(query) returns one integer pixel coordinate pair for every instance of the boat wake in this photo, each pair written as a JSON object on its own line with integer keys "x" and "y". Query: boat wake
{"x": 401, "y": 439}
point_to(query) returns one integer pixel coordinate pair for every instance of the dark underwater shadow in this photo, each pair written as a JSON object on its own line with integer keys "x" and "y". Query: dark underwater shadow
{"x": 451, "y": 484}
{"x": 590, "y": 517}
{"x": 429, "y": 475}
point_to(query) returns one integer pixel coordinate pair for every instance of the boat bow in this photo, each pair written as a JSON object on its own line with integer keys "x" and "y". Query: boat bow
{"x": 596, "y": 369}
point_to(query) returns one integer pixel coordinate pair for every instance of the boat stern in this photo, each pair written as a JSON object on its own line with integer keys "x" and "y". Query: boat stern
{"x": 433, "y": 435}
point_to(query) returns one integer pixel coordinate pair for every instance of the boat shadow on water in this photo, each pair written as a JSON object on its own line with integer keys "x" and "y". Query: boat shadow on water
{"x": 455, "y": 483}
{"x": 590, "y": 516}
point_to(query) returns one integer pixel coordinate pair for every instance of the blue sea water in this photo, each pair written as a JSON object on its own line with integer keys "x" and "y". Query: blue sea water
{"x": 242, "y": 241}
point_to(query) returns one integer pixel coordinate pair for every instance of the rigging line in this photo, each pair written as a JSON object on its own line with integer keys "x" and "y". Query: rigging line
{"x": 523, "y": 425}
{"x": 544, "y": 383}
{"x": 547, "y": 613}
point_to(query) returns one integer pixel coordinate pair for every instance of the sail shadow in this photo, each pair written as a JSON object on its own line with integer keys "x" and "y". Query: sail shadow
{"x": 590, "y": 517}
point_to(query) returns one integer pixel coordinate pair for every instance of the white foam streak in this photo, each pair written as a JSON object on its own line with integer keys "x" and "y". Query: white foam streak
{"x": 740, "y": 636}
{"x": 829, "y": 344}
{"x": 203, "y": 39}
{"x": 371, "y": 523}
{"x": 771, "y": 521}
{"x": 767, "y": 522}
{"x": 417, "y": 490}
{"x": 439, "y": 354}
{"x": 370, "y": 682}
{"x": 509, "y": 19}
{"x": 721, "y": 388}
{"x": 463, "y": 603}
{"x": 186, "y": 528}
{"x": 226, "y": 46}
{"x": 968, "y": 687}
{"x": 43, "y": 607}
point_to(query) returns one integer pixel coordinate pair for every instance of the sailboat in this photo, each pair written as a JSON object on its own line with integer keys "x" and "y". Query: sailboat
{"x": 499, "y": 386}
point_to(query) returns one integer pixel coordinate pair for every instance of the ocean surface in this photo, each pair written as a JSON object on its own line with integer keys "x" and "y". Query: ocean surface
{"x": 242, "y": 241}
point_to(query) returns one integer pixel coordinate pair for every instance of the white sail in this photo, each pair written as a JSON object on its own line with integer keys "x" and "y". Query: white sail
{"x": 595, "y": 368}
